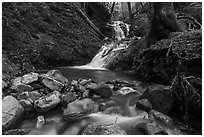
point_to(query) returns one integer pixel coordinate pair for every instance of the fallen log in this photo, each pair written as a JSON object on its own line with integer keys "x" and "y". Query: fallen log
{"x": 91, "y": 24}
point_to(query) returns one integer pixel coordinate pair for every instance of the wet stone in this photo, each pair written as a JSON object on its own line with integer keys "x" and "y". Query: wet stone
{"x": 57, "y": 75}
{"x": 144, "y": 104}
{"x": 79, "y": 108}
{"x": 18, "y": 86}
{"x": 67, "y": 98}
{"x": 47, "y": 102}
{"x": 12, "y": 112}
{"x": 30, "y": 78}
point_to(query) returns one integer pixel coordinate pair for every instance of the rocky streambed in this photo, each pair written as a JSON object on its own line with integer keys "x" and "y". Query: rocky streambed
{"x": 86, "y": 107}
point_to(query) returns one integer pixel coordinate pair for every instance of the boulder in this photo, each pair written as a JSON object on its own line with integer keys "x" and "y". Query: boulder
{"x": 161, "y": 118}
{"x": 103, "y": 90}
{"x": 27, "y": 105}
{"x": 83, "y": 82}
{"x": 56, "y": 75}
{"x": 27, "y": 67}
{"x": 12, "y": 112}
{"x": 47, "y": 102}
{"x": 30, "y": 78}
{"x": 160, "y": 97}
{"x": 18, "y": 86}
{"x": 144, "y": 104}
{"x": 79, "y": 108}
{"x": 52, "y": 84}
{"x": 30, "y": 96}
{"x": 100, "y": 129}
{"x": 67, "y": 98}
{"x": 150, "y": 127}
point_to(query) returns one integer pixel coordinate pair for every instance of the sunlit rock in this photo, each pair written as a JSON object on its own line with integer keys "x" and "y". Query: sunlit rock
{"x": 79, "y": 108}
{"x": 18, "y": 86}
{"x": 12, "y": 112}
{"x": 29, "y": 78}
{"x": 47, "y": 102}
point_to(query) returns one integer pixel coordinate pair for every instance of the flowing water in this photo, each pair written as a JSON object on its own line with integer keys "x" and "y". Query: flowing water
{"x": 96, "y": 70}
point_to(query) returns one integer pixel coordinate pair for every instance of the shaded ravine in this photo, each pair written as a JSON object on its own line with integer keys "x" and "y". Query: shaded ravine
{"x": 128, "y": 116}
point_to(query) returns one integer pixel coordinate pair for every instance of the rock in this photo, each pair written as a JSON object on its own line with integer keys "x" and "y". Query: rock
{"x": 27, "y": 105}
{"x": 52, "y": 84}
{"x": 18, "y": 86}
{"x": 56, "y": 75}
{"x": 74, "y": 82}
{"x": 85, "y": 94}
{"x": 30, "y": 78}
{"x": 40, "y": 122}
{"x": 67, "y": 98}
{"x": 79, "y": 108}
{"x": 4, "y": 84}
{"x": 150, "y": 127}
{"x": 161, "y": 118}
{"x": 30, "y": 96}
{"x": 36, "y": 86}
{"x": 12, "y": 112}
{"x": 103, "y": 90}
{"x": 144, "y": 104}
{"x": 47, "y": 102}
{"x": 126, "y": 90}
{"x": 99, "y": 129}
{"x": 83, "y": 82}
{"x": 160, "y": 97}
{"x": 79, "y": 88}
{"x": 17, "y": 132}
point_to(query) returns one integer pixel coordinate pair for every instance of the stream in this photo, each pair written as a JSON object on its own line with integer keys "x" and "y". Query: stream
{"x": 95, "y": 70}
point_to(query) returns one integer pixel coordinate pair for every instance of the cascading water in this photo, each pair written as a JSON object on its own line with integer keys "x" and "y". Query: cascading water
{"x": 108, "y": 49}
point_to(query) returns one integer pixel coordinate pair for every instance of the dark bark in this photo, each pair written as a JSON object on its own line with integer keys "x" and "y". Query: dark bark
{"x": 163, "y": 23}
{"x": 130, "y": 15}
{"x": 112, "y": 8}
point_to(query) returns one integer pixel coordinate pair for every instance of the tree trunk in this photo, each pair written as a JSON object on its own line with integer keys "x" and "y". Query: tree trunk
{"x": 112, "y": 8}
{"x": 130, "y": 15}
{"x": 163, "y": 23}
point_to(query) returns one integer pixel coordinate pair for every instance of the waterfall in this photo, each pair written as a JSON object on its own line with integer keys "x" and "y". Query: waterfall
{"x": 109, "y": 49}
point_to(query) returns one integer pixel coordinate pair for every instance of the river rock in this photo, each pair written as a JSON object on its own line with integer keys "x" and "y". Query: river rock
{"x": 83, "y": 82}
{"x": 12, "y": 112}
{"x": 18, "y": 86}
{"x": 40, "y": 122}
{"x": 17, "y": 132}
{"x": 161, "y": 118}
{"x": 79, "y": 88}
{"x": 160, "y": 97}
{"x": 47, "y": 102}
{"x": 67, "y": 98}
{"x": 57, "y": 75}
{"x": 30, "y": 96}
{"x": 126, "y": 90}
{"x": 79, "y": 108}
{"x": 27, "y": 105}
{"x": 99, "y": 129}
{"x": 52, "y": 84}
{"x": 150, "y": 127}
{"x": 30, "y": 78}
{"x": 144, "y": 104}
{"x": 103, "y": 90}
